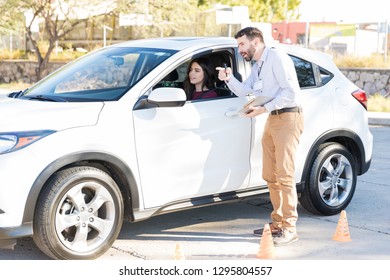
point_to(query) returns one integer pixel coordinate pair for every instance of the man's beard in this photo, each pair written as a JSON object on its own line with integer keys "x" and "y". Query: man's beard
{"x": 250, "y": 53}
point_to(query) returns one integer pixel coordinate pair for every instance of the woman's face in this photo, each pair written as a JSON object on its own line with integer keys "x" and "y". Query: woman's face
{"x": 196, "y": 74}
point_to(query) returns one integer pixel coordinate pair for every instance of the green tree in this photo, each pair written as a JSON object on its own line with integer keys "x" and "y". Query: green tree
{"x": 8, "y": 19}
{"x": 264, "y": 10}
{"x": 168, "y": 17}
{"x": 56, "y": 18}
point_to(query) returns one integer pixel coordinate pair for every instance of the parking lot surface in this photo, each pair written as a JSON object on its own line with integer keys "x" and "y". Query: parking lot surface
{"x": 224, "y": 232}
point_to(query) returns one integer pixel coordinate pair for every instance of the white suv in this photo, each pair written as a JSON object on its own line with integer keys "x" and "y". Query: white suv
{"x": 111, "y": 137}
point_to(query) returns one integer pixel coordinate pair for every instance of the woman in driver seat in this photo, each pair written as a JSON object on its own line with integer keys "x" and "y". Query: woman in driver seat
{"x": 200, "y": 81}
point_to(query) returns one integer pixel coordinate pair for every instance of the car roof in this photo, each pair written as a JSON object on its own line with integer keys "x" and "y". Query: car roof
{"x": 181, "y": 43}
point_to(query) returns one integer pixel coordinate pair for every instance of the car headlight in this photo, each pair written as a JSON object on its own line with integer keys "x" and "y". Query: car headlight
{"x": 12, "y": 141}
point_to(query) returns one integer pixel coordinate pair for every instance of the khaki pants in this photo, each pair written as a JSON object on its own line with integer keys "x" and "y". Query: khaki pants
{"x": 280, "y": 141}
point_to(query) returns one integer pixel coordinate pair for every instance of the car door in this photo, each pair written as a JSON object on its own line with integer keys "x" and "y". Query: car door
{"x": 192, "y": 151}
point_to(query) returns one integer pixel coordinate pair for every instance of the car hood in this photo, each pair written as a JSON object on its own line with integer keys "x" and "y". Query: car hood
{"x": 26, "y": 115}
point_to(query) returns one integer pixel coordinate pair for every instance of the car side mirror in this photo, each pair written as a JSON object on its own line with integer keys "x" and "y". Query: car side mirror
{"x": 167, "y": 97}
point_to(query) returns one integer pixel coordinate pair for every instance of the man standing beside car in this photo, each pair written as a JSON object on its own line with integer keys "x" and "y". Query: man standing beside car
{"x": 273, "y": 75}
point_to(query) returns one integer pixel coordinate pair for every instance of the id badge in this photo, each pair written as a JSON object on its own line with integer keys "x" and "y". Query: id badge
{"x": 258, "y": 85}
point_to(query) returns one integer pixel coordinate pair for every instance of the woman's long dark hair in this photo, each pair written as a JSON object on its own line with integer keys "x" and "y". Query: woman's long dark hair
{"x": 209, "y": 76}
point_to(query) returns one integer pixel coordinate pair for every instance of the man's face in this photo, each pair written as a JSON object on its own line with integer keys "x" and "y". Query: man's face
{"x": 246, "y": 47}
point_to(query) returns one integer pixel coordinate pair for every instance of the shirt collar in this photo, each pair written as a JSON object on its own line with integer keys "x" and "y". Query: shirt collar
{"x": 264, "y": 56}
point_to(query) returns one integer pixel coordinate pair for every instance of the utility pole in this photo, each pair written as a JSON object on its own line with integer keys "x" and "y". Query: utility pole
{"x": 386, "y": 39}
{"x": 105, "y": 27}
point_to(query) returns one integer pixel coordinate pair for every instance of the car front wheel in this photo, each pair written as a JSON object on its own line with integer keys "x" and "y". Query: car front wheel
{"x": 332, "y": 180}
{"x": 79, "y": 214}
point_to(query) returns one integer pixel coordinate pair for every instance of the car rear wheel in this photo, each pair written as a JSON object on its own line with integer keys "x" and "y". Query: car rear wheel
{"x": 332, "y": 180}
{"x": 79, "y": 214}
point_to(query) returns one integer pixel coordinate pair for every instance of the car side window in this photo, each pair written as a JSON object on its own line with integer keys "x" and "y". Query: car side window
{"x": 177, "y": 76}
{"x": 305, "y": 72}
{"x": 325, "y": 75}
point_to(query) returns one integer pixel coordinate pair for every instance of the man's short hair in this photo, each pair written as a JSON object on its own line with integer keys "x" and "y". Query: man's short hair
{"x": 251, "y": 33}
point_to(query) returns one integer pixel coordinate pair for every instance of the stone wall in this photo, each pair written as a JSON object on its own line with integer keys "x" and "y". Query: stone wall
{"x": 22, "y": 71}
{"x": 370, "y": 80}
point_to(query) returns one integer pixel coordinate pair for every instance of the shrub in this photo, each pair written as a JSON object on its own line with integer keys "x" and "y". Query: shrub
{"x": 354, "y": 61}
{"x": 378, "y": 103}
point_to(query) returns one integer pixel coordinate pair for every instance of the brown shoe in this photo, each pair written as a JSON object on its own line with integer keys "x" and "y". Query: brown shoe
{"x": 274, "y": 231}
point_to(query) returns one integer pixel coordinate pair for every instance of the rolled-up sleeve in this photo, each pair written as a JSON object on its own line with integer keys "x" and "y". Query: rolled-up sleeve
{"x": 244, "y": 88}
{"x": 278, "y": 77}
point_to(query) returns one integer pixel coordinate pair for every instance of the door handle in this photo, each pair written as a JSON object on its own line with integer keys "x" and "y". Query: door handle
{"x": 232, "y": 113}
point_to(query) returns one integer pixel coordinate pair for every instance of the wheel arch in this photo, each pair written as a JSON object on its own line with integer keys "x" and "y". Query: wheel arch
{"x": 348, "y": 139}
{"x": 117, "y": 169}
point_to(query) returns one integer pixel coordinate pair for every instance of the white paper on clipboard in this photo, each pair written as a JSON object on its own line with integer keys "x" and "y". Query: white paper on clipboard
{"x": 258, "y": 101}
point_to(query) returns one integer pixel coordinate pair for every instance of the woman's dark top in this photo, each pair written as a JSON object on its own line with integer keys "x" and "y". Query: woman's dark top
{"x": 204, "y": 94}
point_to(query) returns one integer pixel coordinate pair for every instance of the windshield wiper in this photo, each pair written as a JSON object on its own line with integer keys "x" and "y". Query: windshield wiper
{"x": 16, "y": 94}
{"x": 46, "y": 98}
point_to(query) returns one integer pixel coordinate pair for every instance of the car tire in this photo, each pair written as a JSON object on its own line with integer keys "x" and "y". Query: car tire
{"x": 79, "y": 214}
{"x": 331, "y": 182}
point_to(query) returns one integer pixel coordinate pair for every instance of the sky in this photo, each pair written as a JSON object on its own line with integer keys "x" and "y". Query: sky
{"x": 348, "y": 11}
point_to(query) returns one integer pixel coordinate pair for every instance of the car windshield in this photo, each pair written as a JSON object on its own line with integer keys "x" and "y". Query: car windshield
{"x": 103, "y": 75}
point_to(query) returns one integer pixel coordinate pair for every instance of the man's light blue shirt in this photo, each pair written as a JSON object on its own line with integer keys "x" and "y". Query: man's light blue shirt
{"x": 272, "y": 75}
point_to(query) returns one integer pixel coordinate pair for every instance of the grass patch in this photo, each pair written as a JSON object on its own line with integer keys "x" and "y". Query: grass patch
{"x": 378, "y": 103}
{"x": 355, "y": 61}
{"x": 15, "y": 86}
{"x": 63, "y": 55}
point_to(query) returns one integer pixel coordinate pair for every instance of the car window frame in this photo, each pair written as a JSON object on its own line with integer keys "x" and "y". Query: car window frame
{"x": 228, "y": 54}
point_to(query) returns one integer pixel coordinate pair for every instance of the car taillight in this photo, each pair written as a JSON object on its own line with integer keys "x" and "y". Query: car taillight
{"x": 361, "y": 96}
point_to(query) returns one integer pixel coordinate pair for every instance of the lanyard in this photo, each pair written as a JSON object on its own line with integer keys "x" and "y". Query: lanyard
{"x": 259, "y": 70}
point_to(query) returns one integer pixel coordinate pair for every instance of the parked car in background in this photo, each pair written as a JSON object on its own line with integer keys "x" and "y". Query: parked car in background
{"x": 110, "y": 137}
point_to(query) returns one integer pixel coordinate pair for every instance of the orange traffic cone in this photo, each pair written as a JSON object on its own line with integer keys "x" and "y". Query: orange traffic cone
{"x": 267, "y": 247}
{"x": 342, "y": 230}
{"x": 178, "y": 253}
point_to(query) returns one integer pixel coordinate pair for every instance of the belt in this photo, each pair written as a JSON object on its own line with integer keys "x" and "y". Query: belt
{"x": 287, "y": 110}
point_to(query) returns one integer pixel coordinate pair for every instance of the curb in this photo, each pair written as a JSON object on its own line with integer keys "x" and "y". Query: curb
{"x": 378, "y": 118}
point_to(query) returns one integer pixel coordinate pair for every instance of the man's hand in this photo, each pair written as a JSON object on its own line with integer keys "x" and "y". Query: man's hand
{"x": 224, "y": 73}
{"x": 255, "y": 111}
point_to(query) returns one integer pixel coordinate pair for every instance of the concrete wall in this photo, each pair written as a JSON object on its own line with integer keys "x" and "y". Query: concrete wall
{"x": 370, "y": 80}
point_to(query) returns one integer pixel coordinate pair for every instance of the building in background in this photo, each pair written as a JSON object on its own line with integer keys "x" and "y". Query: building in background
{"x": 361, "y": 39}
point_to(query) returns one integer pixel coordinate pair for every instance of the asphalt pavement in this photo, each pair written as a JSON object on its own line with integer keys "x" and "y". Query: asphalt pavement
{"x": 224, "y": 232}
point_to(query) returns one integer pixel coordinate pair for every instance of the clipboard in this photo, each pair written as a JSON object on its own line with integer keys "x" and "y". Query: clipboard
{"x": 255, "y": 102}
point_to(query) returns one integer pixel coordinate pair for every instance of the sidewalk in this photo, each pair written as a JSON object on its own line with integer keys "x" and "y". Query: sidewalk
{"x": 374, "y": 118}
{"x": 378, "y": 118}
